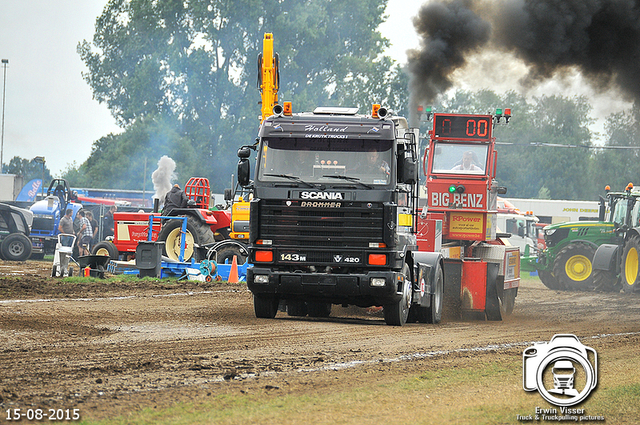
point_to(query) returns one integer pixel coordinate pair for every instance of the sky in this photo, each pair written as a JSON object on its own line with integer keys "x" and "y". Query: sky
{"x": 49, "y": 110}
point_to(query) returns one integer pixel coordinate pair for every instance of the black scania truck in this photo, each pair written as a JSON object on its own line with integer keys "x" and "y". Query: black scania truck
{"x": 333, "y": 216}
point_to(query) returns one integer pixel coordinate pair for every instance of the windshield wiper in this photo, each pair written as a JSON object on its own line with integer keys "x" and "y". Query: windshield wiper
{"x": 350, "y": 179}
{"x": 296, "y": 179}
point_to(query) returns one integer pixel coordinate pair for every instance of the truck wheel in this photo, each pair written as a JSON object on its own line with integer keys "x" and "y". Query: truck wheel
{"x": 433, "y": 313}
{"x": 170, "y": 234}
{"x": 549, "y": 280}
{"x": 572, "y": 267}
{"x": 265, "y": 306}
{"x": 319, "y": 309}
{"x": 16, "y": 247}
{"x": 106, "y": 248}
{"x": 630, "y": 264}
{"x": 396, "y": 314}
{"x": 296, "y": 308}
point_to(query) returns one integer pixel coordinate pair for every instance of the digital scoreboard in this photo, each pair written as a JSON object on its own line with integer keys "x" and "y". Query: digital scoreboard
{"x": 464, "y": 127}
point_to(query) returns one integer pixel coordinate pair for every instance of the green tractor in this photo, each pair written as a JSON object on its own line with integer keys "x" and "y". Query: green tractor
{"x": 567, "y": 261}
{"x": 618, "y": 262}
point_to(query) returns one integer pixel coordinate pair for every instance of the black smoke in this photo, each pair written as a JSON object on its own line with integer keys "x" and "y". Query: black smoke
{"x": 449, "y": 31}
{"x": 598, "y": 38}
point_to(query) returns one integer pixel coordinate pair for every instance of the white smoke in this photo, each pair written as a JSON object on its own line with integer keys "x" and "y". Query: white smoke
{"x": 162, "y": 177}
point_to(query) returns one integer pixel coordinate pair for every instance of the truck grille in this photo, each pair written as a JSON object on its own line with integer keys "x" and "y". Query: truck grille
{"x": 354, "y": 226}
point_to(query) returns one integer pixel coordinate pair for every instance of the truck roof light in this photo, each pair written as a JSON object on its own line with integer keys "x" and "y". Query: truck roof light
{"x": 629, "y": 187}
{"x": 607, "y": 188}
{"x": 374, "y": 110}
{"x": 499, "y": 112}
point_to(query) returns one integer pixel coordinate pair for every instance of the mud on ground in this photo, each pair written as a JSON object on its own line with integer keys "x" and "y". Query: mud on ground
{"x": 112, "y": 348}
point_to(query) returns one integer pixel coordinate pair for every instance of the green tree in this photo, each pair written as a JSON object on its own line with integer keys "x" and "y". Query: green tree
{"x": 620, "y": 163}
{"x": 179, "y": 76}
{"x": 27, "y": 168}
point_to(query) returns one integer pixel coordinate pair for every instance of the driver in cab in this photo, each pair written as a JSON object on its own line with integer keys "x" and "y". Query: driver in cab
{"x": 467, "y": 164}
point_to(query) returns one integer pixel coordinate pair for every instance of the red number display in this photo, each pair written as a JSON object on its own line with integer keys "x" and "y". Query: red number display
{"x": 462, "y": 126}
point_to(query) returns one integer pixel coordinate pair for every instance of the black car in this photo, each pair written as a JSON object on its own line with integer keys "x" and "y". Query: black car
{"x": 15, "y": 226}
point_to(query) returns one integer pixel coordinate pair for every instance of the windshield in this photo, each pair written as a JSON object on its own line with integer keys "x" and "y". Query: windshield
{"x": 458, "y": 158}
{"x": 313, "y": 161}
{"x": 620, "y": 212}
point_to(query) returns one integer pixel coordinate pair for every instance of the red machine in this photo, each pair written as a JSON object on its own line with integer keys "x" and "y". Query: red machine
{"x": 460, "y": 165}
{"x": 206, "y": 229}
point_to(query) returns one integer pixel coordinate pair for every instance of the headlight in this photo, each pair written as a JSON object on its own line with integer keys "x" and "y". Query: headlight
{"x": 549, "y": 232}
{"x": 261, "y": 278}
{"x": 377, "y": 281}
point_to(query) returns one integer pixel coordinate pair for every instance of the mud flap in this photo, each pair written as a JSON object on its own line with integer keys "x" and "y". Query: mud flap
{"x": 492, "y": 305}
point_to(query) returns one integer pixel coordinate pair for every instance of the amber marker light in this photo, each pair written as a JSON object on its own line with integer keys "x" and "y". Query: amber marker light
{"x": 264, "y": 256}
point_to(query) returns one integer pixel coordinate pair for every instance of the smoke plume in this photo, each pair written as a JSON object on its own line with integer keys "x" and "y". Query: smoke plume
{"x": 449, "y": 32}
{"x": 162, "y": 177}
{"x": 598, "y": 38}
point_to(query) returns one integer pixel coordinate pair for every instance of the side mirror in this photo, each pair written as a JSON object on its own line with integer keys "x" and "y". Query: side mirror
{"x": 502, "y": 190}
{"x": 244, "y": 171}
{"x": 228, "y": 194}
{"x": 244, "y": 152}
{"x": 407, "y": 171}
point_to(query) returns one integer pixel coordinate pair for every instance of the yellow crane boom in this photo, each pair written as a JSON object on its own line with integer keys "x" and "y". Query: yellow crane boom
{"x": 269, "y": 76}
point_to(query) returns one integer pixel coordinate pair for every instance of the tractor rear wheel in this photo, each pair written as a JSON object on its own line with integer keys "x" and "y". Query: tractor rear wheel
{"x": 631, "y": 264}
{"x": 572, "y": 267}
{"x": 198, "y": 233}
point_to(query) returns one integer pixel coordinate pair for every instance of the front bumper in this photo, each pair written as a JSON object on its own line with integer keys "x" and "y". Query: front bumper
{"x": 356, "y": 288}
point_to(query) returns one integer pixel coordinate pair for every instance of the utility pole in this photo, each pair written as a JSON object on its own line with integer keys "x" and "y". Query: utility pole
{"x": 4, "y": 90}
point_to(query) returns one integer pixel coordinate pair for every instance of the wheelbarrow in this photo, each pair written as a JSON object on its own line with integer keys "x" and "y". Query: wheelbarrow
{"x": 93, "y": 265}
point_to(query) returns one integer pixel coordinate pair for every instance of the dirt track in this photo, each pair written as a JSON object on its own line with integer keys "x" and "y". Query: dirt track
{"x": 112, "y": 349}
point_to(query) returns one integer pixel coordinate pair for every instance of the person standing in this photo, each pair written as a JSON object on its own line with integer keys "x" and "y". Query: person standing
{"x": 109, "y": 222}
{"x": 85, "y": 234}
{"x": 94, "y": 228}
{"x": 66, "y": 224}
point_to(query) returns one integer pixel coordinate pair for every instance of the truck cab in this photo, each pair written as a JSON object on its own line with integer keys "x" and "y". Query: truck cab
{"x": 332, "y": 215}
